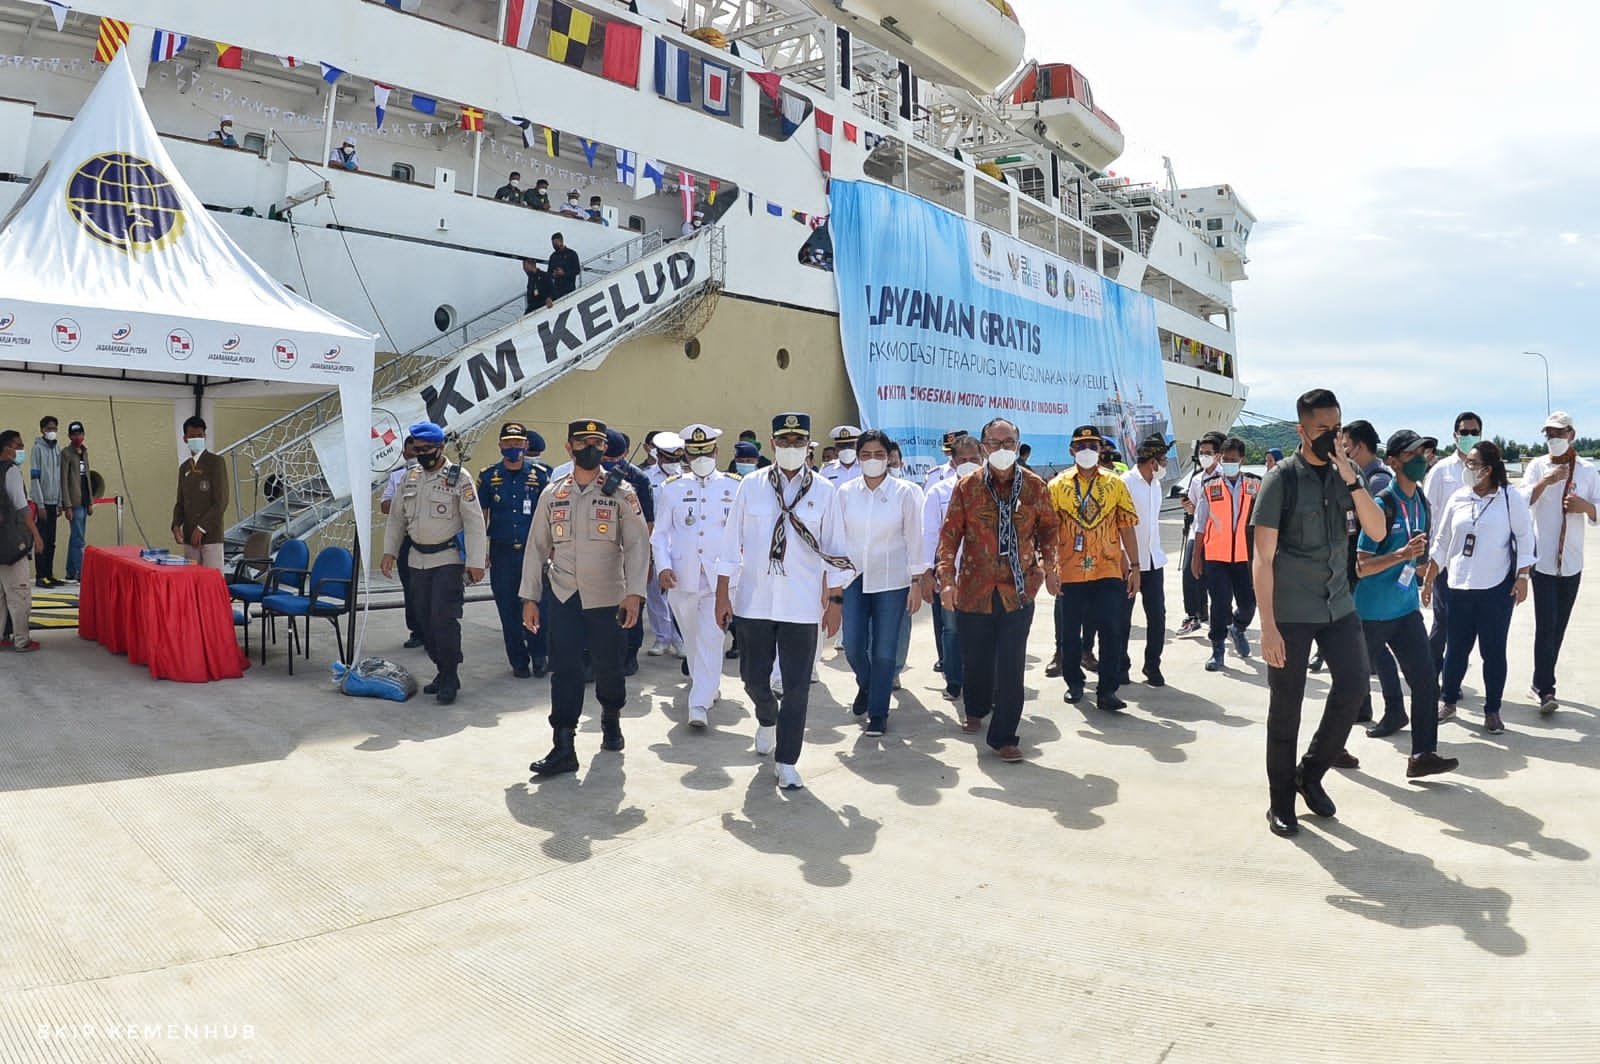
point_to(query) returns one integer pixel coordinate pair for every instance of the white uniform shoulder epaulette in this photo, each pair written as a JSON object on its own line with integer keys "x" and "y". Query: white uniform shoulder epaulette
{"x": 675, "y": 476}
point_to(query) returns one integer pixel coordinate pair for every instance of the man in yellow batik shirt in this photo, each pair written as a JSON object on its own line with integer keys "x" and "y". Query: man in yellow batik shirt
{"x": 1098, "y": 575}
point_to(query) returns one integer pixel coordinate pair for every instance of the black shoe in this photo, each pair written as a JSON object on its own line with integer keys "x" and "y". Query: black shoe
{"x": 1317, "y": 799}
{"x": 733, "y": 652}
{"x": 683, "y": 666}
{"x": 1346, "y": 760}
{"x": 630, "y": 665}
{"x": 1429, "y": 764}
{"x": 413, "y": 643}
{"x": 1387, "y": 726}
{"x": 1214, "y": 662}
{"x": 523, "y": 673}
{"x": 1365, "y": 716}
{"x": 561, "y": 758}
{"x": 1109, "y": 703}
{"x": 938, "y": 666}
{"x": 952, "y": 694}
{"x": 539, "y": 670}
{"x": 1153, "y": 677}
{"x": 1074, "y": 695}
{"x": 432, "y": 686}
{"x": 449, "y": 687}
{"x": 1283, "y": 827}
{"x": 611, "y": 732}
{"x": 876, "y": 726}
{"x": 1315, "y": 664}
{"x": 859, "y": 706}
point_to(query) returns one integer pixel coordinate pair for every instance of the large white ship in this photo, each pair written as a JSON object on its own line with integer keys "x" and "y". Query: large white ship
{"x": 676, "y": 115}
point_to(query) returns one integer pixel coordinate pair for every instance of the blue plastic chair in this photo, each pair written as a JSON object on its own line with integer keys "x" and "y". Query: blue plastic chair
{"x": 330, "y": 595}
{"x": 254, "y": 577}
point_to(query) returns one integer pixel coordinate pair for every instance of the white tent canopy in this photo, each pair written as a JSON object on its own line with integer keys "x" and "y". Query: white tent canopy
{"x": 110, "y": 261}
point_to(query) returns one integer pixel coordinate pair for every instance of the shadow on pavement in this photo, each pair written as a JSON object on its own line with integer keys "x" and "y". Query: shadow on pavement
{"x": 576, "y": 810}
{"x": 1161, "y": 739}
{"x": 1072, "y": 800}
{"x": 1473, "y": 815}
{"x": 797, "y": 824}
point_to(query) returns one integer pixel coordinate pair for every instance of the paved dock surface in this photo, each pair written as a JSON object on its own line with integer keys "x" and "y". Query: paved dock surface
{"x": 266, "y": 870}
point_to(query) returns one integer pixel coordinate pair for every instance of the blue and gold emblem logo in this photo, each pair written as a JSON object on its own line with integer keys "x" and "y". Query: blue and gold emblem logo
{"x": 126, "y": 202}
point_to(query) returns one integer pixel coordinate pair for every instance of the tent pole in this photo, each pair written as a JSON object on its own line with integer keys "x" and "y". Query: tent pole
{"x": 355, "y": 597}
{"x": 327, "y": 125}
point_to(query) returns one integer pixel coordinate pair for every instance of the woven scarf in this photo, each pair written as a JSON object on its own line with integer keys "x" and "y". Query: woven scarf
{"x": 1570, "y": 460}
{"x": 1007, "y": 530}
{"x": 786, "y": 518}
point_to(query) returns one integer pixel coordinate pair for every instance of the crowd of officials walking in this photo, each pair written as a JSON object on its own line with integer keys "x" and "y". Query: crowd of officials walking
{"x": 1334, "y": 554}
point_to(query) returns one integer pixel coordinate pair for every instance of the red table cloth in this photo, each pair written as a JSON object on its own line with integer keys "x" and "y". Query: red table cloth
{"x": 177, "y": 619}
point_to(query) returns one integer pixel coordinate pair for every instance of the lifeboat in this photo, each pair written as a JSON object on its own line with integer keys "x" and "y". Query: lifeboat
{"x": 972, "y": 44}
{"x": 1062, "y": 107}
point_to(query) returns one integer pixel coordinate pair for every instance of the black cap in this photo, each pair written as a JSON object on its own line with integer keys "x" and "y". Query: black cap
{"x": 616, "y": 443}
{"x": 1431, "y": 442}
{"x": 791, "y": 423}
{"x": 1403, "y": 441}
{"x": 513, "y": 430}
{"x": 1086, "y": 432}
{"x": 587, "y": 428}
{"x": 75, "y": 429}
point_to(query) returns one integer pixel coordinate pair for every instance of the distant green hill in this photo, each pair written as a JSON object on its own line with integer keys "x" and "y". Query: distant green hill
{"x": 1260, "y": 437}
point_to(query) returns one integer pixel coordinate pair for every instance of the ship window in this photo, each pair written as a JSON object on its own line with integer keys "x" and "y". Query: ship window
{"x": 636, "y": 223}
{"x": 782, "y": 124}
{"x": 256, "y": 143}
{"x": 1214, "y": 224}
{"x": 783, "y": 358}
{"x": 402, "y": 171}
{"x": 691, "y": 348}
{"x": 444, "y": 317}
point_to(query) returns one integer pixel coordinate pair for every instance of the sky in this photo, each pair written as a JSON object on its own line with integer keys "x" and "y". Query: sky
{"x": 1424, "y": 175}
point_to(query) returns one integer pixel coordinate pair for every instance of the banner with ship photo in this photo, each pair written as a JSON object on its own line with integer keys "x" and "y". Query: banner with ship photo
{"x": 946, "y": 324}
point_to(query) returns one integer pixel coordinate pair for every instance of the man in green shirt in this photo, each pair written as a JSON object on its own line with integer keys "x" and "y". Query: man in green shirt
{"x": 1309, "y": 506}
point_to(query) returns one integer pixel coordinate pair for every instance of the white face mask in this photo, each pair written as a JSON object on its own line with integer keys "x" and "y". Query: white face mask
{"x": 847, "y": 455}
{"x": 1086, "y": 459}
{"x": 1559, "y": 446}
{"x": 1207, "y": 461}
{"x": 1001, "y": 460}
{"x": 1483, "y": 475}
{"x": 196, "y": 444}
{"x": 703, "y": 465}
{"x": 51, "y": 437}
{"x": 966, "y": 468}
{"x": 790, "y": 458}
{"x": 874, "y": 467}
{"x": 672, "y": 469}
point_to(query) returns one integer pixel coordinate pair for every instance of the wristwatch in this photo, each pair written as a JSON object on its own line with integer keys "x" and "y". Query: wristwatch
{"x": 837, "y": 600}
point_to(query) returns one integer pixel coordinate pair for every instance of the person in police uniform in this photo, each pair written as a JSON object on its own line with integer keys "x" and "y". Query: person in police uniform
{"x": 509, "y": 490}
{"x": 436, "y": 503}
{"x": 691, "y": 513}
{"x": 598, "y": 549}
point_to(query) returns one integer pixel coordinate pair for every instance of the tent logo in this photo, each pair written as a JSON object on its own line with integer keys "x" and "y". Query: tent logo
{"x": 65, "y": 334}
{"x": 332, "y": 354}
{"x": 126, "y": 202}
{"x": 180, "y": 345}
{"x": 121, "y": 333}
{"x": 231, "y": 343}
{"x": 284, "y": 354}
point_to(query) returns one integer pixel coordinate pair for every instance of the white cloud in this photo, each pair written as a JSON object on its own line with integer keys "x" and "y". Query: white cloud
{"x": 1417, "y": 167}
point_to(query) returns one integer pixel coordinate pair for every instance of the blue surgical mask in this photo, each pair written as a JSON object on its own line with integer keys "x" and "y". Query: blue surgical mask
{"x": 744, "y": 469}
{"x": 19, "y": 458}
{"x": 196, "y": 444}
{"x": 513, "y": 454}
{"x": 1230, "y": 469}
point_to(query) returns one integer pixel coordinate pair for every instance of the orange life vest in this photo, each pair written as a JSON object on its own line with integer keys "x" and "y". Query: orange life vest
{"x": 1226, "y": 536}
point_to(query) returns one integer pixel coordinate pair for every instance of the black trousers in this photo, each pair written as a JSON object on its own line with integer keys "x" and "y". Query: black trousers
{"x": 1099, "y": 606}
{"x": 523, "y": 648}
{"x": 1153, "y": 593}
{"x": 45, "y": 560}
{"x": 571, "y": 628}
{"x": 1233, "y": 597}
{"x": 1343, "y": 646}
{"x": 938, "y": 630}
{"x": 794, "y": 647}
{"x": 440, "y": 593}
{"x": 1407, "y": 637}
{"x": 1194, "y": 587}
{"x": 1441, "y": 621}
{"x": 994, "y": 654}
{"x": 414, "y": 620}
{"x": 1553, "y": 599}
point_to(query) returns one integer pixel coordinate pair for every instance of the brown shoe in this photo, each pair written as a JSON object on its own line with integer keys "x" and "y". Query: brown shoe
{"x": 1054, "y": 668}
{"x": 1011, "y": 754}
{"x": 1345, "y": 759}
{"x": 1430, "y": 764}
{"x": 1090, "y": 662}
{"x": 971, "y": 725}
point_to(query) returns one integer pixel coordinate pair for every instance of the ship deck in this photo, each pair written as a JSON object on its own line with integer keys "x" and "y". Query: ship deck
{"x": 266, "y": 870}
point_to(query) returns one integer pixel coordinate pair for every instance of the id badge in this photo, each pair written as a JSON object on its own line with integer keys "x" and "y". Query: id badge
{"x": 527, "y": 507}
{"x": 1077, "y": 544}
{"x": 1470, "y": 544}
{"x": 1408, "y": 574}
{"x": 1349, "y": 522}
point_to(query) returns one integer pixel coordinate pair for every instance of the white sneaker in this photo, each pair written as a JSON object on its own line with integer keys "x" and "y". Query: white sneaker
{"x": 658, "y": 649}
{"x": 697, "y": 717}
{"x": 788, "y": 777}
{"x": 766, "y": 738}
{"x": 675, "y": 650}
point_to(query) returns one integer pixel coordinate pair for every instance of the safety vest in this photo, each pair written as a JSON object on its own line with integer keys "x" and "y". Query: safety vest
{"x": 1227, "y": 533}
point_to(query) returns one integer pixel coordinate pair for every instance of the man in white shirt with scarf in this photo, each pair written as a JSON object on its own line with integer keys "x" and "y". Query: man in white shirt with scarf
{"x": 784, "y": 542}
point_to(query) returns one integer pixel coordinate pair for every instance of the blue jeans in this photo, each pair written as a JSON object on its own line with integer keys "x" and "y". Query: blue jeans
{"x": 1482, "y": 618}
{"x": 80, "y": 522}
{"x": 872, "y": 625}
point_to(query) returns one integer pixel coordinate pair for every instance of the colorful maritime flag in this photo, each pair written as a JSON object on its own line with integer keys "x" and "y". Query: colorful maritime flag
{"x": 166, "y": 44}
{"x": 113, "y": 35}
{"x": 570, "y": 30}
{"x": 672, "y": 71}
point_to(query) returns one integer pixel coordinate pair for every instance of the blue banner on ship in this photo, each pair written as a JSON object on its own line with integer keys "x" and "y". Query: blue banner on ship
{"x": 947, "y": 324}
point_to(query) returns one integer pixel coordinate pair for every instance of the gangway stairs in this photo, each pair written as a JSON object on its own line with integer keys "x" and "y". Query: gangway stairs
{"x": 288, "y": 477}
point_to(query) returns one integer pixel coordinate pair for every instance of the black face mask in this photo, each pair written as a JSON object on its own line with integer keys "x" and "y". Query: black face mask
{"x": 587, "y": 457}
{"x": 1322, "y": 446}
{"x": 430, "y": 459}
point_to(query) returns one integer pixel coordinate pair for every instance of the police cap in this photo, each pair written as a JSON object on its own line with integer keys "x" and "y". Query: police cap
{"x": 513, "y": 430}
{"x": 791, "y": 423}
{"x": 587, "y": 429}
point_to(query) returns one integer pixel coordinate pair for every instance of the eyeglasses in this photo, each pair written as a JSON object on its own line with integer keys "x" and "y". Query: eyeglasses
{"x": 1086, "y": 445}
{"x": 1005, "y": 445}
{"x": 1470, "y": 464}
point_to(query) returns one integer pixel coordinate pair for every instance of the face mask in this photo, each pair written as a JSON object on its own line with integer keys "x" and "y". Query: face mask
{"x": 703, "y": 465}
{"x": 1207, "y": 461}
{"x": 791, "y": 458}
{"x": 847, "y": 455}
{"x": 874, "y": 467}
{"x": 512, "y": 454}
{"x": 586, "y": 457}
{"x": 196, "y": 444}
{"x": 50, "y": 437}
{"x": 966, "y": 468}
{"x": 1230, "y": 469}
{"x": 1323, "y": 445}
{"x": 1415, "y": 468}
{"x": 744, "y": 469}
{"x": 430, "y": 459}
{"x": 1001, "y": 461}
{"x": 898, "y": 473}
{"x": 1086, "y": 459}
{"x": 1559, "y": 446}
{"x": 1467, "y": 443}
{"x": 18, "y": 458}
{"x": 1483, "y": 475}
{"x": 572, "y": 203}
